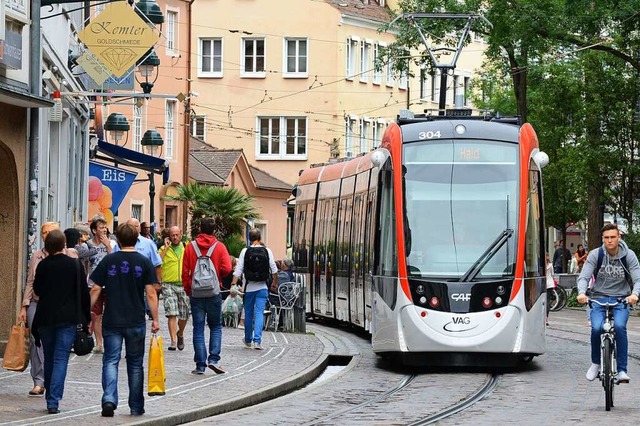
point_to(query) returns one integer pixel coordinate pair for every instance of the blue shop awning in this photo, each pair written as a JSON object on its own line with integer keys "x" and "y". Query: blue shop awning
{"x": 135, "y": 159}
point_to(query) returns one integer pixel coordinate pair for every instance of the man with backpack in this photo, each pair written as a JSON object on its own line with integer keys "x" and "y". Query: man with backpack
{"x": 205, "y": 262}
{"x": 257, "y": 264}
{"x": 617, "y": 275}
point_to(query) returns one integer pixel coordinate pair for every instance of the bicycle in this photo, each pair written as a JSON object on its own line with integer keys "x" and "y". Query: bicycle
{"x": 608, "y": 367}
{"x": 557, "y": 299}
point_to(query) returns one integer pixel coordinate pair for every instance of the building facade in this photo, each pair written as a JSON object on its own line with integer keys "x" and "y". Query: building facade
{"x": 43, "y": 138}
{"x": 165, "y": 111}
{"x": 294, "y": 83}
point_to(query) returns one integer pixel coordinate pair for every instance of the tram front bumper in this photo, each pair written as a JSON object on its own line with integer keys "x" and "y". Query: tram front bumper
{"x": 496, "y": 331}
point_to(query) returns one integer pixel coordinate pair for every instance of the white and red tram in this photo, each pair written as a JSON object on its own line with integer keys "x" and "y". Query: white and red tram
{"x": 434, "y": 242}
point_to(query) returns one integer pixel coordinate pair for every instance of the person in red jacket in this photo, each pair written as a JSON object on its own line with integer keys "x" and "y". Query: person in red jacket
{"x": 206, "y": 308}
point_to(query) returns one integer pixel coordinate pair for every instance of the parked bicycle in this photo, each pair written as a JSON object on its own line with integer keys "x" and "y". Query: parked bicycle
{"x": 608, "y": 366}
{"x": 557, "y": 298}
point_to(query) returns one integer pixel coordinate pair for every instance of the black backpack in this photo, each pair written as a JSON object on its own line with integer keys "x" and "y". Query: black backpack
{"x": 256, "y": 264}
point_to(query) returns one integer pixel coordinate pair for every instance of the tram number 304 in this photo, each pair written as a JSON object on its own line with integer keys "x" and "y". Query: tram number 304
{"x": 429, "y": 135}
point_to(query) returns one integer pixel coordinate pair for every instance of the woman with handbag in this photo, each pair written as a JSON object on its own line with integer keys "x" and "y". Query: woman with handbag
{"x": 63, "y": 304}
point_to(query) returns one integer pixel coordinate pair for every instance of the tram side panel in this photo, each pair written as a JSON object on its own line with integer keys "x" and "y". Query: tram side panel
{"x": 534, "y": 283}
{"x": 385, "y": 326}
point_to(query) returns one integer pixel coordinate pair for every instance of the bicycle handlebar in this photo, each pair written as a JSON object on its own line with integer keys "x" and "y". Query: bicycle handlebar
{"x": 619, "y": 300}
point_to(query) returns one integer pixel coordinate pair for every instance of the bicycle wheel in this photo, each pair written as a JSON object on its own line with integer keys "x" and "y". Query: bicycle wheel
{"x": 607, "y": 376}
{"x": 554, "y": 299}
{"x": 563, "y": 298}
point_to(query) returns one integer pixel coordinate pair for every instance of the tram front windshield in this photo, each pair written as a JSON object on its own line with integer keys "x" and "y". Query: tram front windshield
{"x": 460, "y": 196}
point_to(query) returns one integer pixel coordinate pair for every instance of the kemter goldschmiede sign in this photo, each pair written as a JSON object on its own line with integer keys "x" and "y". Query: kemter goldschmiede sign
{"x": 118, "y": 37}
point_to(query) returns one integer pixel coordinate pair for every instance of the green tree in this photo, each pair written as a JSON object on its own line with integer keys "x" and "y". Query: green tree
{"x": 585, "y": 54}
{"x": 227, "y": 206}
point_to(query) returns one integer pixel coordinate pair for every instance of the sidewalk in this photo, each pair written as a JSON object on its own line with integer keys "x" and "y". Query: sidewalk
{"x": 288, "y": 361}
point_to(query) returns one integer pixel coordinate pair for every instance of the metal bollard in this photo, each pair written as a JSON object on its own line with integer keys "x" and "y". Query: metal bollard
{"x": 299, "y": 314}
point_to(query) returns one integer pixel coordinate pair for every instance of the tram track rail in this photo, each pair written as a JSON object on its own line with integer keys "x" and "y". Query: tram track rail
{"x": 492, "y": 381}
{"x": 406, "y": 381}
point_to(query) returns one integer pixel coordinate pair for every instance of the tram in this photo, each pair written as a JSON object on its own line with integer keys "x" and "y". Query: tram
{"x": 434, "y": 242}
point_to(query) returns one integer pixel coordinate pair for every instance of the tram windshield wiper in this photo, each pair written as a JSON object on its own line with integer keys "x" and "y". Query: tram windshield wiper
{"x": 485, "y": 257}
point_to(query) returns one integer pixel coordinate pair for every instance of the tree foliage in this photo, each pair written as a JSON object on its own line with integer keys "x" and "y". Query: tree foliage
{"x": 572, "y": 69}
{"x": 227, "y": 206}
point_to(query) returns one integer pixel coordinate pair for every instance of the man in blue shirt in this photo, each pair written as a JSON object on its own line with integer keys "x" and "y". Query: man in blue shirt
{"x": 149, "y": 249}
{"x": 126, "y": 277}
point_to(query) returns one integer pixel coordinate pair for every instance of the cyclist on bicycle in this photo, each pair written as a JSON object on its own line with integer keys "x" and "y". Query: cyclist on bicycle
{"x": 617, "y": 267}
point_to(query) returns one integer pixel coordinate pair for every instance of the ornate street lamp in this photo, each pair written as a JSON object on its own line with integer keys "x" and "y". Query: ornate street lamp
{"x": 150, "y": 10}
{"x": 117, "y": 125}
{"x": 146, "y": 68}
{"x": 151, "y": 141}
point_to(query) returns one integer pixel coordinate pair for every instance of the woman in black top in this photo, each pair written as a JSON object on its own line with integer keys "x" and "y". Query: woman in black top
{"x": 56, "y": 284}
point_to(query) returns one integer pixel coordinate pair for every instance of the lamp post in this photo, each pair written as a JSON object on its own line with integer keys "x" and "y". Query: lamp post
{"x": 151, "y": 141}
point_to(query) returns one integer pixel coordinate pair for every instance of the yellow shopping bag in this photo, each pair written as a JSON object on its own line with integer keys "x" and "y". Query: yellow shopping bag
{"x": 16, "y": 354}
{"x": 157, "y": 374}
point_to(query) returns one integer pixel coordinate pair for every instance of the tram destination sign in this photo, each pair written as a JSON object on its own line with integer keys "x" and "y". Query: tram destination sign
{"x": 118, "y": 37}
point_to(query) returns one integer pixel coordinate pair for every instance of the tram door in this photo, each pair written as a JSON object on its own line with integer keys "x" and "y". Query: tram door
{"x": 344, "y": 249}
{"x": 325, "y": 247}
{"x": 369, "y": 232}
{"x": 358, "y": 249}
{"x": 302, "y": 238}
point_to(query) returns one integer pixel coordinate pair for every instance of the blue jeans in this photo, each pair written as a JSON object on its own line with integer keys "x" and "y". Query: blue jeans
{"x": 620, "y": 318}
{"x": 134, "y": 338}
{"x": 254, "y": 303}
{"x": 57, "y": 341}
{"x": 209, "y": 309}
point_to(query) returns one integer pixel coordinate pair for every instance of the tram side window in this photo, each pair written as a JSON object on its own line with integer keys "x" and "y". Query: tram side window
{"x": 344, "y": 227}
{"x": 534, "y": 259}
{"x": 302, "y": 237}
{"x": 370, "y": 222}
{"x": 388, "y": 258}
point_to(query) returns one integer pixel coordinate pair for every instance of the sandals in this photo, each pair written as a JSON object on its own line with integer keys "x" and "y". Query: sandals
{"x": 36, "y": 391}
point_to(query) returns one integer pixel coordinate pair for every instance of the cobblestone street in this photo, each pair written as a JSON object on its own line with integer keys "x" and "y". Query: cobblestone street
{"x": 551, "y": 390}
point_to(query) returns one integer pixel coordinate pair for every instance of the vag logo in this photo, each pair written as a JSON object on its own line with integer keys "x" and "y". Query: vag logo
{"x": 459, "y": 325}
{"x": 461, "y": 297}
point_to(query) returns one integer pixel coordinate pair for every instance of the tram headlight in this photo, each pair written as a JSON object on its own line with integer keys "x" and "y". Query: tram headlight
{"x": 500, "y": 290}
{"x": 461, "y": 129}
{"x": 423, "y": 300}
{"x": 498, "y": 300}
{"x": 420, "y": 289}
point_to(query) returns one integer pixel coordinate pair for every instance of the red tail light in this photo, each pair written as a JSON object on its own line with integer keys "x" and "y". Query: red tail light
{"x": 487, "y": 302}
{"x": 434, "y": 302}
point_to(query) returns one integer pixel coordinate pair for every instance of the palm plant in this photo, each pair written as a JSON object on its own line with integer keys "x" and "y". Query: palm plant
{"x": 227, "y": 206}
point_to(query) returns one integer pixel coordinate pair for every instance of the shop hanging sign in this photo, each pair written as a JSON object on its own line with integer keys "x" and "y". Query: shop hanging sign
{"x": 118, "y": 37}
{"x": 107, "y": 188}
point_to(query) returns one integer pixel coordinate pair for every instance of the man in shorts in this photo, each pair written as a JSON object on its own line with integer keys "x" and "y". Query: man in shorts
{"x": 176, "y": 302}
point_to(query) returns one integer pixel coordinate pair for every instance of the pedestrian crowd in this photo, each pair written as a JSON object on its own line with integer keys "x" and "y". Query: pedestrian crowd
{"x": 85, "y": 279}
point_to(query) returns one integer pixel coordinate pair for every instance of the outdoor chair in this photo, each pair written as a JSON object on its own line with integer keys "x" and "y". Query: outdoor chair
{"x": 288, "y": 293}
